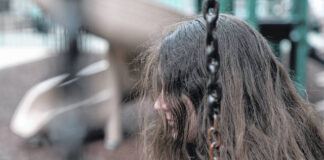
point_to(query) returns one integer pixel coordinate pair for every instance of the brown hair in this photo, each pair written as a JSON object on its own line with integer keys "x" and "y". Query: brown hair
{"x": 262, "y": 115}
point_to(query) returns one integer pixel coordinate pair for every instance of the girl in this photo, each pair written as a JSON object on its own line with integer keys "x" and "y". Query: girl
{"x": 262, "y": 116}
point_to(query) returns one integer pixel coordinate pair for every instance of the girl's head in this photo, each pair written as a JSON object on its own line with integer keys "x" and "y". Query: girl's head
{"x": 262, "y": 116}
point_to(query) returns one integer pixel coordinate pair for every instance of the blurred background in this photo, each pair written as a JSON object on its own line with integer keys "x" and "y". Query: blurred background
{"x": 67, "y": 71}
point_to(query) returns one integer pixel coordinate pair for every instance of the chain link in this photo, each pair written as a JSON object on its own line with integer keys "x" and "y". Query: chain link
{"x": 211, "y": 14}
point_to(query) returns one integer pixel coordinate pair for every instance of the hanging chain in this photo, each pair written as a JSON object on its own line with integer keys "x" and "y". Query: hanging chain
{"x": 211, "y": 14}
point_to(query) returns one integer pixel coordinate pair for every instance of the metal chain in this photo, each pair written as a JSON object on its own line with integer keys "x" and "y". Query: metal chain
{"x": 211, "y": 14}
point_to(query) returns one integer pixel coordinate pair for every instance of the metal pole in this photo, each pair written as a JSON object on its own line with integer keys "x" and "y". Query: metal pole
{"x": 300, "y": 14}
{"x": 252, "y": 18}
{"x": 227, "y": 6}
{"x": 199, "y": 4}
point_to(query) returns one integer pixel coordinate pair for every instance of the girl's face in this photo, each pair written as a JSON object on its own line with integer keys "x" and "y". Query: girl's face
{"x": 160, "y": 104}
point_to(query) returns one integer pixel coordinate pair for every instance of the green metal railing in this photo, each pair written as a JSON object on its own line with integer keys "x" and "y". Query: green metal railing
{"x": 300, "y": 16}
{"x": 252, "y": 17}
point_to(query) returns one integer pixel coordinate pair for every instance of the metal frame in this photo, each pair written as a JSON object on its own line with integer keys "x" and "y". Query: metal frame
{"x": 252, "y": 18}
{"x": 300, "y": 15}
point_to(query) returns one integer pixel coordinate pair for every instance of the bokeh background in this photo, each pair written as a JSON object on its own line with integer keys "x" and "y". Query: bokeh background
{"x": 94, "y": 43}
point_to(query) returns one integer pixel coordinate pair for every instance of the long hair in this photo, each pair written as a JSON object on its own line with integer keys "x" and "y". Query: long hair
{"x": 262, "y": 118}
